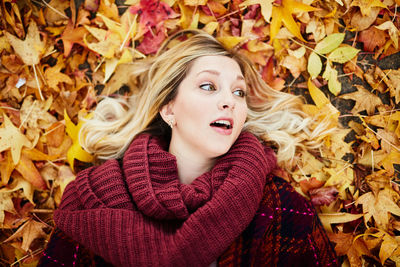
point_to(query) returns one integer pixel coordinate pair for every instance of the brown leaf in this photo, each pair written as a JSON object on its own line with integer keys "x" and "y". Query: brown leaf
{"x": 364, "y": 99}
{"x": 29, "y": 232}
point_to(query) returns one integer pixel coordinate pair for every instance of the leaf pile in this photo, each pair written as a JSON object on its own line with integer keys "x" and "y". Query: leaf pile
{"x": 57, "y": 57}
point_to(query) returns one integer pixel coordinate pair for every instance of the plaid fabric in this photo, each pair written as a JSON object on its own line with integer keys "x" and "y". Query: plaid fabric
{"x": 286, "y": 231}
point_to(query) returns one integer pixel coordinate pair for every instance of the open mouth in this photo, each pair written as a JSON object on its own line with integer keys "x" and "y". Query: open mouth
{"x": 225, "y": 124}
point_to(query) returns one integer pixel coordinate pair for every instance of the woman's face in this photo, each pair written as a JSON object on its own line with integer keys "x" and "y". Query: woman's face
{"x": 210, "y": 108}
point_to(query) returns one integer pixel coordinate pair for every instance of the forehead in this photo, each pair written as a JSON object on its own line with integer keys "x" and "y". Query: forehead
{"x": 217, "y": 63}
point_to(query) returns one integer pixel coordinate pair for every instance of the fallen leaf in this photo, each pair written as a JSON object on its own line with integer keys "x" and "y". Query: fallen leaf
{"x": 378, "y": 207}
{"x": 30, "y": 49}
{"x": 12, "y": 138}
{"x": 314, "y": 65}
{"x": 75, "y": 151}
{"x": 324, "y": 195}
{"x": 372, "y": 38}
{"x": 29, "y": 232}
{"x": 364, "y": 99}
{"x": 329, "y": 43}
{"x": 343, "y": 54}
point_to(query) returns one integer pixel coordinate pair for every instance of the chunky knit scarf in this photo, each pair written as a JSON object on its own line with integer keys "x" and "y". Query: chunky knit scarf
{"x": 141, "y": 215}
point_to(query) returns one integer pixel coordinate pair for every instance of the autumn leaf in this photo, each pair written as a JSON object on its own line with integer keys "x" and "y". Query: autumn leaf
{"x": 365, "y": 6}
{"x": 29, "y": 232}
{"x": 329, "y": 43}
{"x": 364, "y": 99}
{"x": 378, "y": 207}
{"x": 372, "y": 38}
{"x": 30, "y": 49}
{"x": 283, "y": 14}
{"x": 12, "y": 138}
{"x": 75, "y": 151}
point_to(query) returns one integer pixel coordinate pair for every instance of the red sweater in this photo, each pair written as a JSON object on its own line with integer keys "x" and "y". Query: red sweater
{"x": 140, "y": 215}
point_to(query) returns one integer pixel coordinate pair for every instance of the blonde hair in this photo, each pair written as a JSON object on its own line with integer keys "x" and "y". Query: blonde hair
{"x": 273, "y": 116}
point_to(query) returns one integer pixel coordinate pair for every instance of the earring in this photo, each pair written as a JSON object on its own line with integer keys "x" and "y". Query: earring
{"x": 171, "y": 123}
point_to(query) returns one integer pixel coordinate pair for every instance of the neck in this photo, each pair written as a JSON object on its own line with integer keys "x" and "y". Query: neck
{"x": 190, "y": 165}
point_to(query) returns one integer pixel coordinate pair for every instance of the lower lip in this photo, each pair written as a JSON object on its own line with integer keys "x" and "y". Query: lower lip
{"x": 222, "y": 130}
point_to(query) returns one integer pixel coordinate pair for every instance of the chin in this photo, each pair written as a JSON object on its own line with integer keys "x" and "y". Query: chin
{"x": 219, "y": 150}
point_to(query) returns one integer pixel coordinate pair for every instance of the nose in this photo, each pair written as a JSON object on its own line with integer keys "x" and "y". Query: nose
{"x": 226, "y": 101}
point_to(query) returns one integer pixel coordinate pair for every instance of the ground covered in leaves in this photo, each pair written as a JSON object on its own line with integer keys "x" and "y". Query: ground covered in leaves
{"x": 57, "y": 57}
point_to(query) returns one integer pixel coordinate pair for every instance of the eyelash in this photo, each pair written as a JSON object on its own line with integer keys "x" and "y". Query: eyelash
{"x": 242, "y": 92}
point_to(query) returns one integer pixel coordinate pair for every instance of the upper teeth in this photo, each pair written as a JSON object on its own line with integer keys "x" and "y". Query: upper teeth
{"x": 223, "y": 122}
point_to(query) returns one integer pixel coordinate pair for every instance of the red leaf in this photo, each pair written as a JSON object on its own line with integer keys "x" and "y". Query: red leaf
{"x": 152, "y": 13}
{"x": 372, "y": 38}
{"x": 151, "y": 43}
{"x": 323, "y": 195}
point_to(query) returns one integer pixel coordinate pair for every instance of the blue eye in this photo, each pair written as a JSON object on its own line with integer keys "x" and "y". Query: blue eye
{"x": 240, "y": 93}
{"x": 207, "y": 87}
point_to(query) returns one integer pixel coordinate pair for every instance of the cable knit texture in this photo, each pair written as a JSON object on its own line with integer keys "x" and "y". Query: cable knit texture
{"x": 139, "y": 214}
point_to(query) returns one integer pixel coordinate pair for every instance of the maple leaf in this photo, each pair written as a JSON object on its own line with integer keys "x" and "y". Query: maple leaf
{"x": 12, "y": 138}
{"x": 364, "y": 99}
{"x": 75, "y": 151}
{"x": 6, "y": 204}
{"x": 372, "y": 38}
{"x": 29, "y": 232}
{"x": 342, "y": 177}
{"x": 20, "y": 183}
{"x": 30, "y": 49}
{"x": 365, "y": 6}
{"x": 152, "y": 14}
{"x": 30, "y": 173}
{"x": 72, "y": 35}
{"x": 54, "y": 76}
{"x": 6, "y": 167}
{"x": 283, "y": 14}
{"x": 348, "y": 244}
{"x": 378, "y": 207}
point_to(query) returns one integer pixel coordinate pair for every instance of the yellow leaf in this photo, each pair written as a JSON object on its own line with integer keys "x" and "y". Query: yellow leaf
{"x": 366, "y": 5}
{"x": 211, "y": 27}
{"x": 31, "y": 48}
{"x": 12, "y": 138}
{"x": 389, "y": 160}
{"x": 342, "y": 177}
{"x": 107, "y": 44}
{"x": 343, "y": 54}
{"x": 317, "y": 95}
{"x": 266, "y": 7}
{"x": 334, "y": 85}
{"x": 329, "y": 43}
{"x": 393, "y": 31}
{"x": 195, "y": 2}
{"x": 17, "y": 184}
{"x": 75, "y": 151}
{"x": 340, "y": 217}
{"x": 378, "y": 207}
{"x": 113, "y": 26}
{"x": 6, "y": 167}
{"x": 230, "y": 41}
{"x": 314, "y": 66}
{"x": 389, "y": 245}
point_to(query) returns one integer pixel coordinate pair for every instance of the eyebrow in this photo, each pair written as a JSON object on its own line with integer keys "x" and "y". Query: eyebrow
{"x": 238, "y": 77}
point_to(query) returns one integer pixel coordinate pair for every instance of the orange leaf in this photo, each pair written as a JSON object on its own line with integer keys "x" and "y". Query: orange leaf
{"x": 30, "y": 173}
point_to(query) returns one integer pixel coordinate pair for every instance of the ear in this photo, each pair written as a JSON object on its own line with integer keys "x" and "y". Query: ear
{"x": 167, "y": 113}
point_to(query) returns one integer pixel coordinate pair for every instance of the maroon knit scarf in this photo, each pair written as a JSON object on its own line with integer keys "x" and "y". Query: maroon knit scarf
{"x": 141, "y": 214}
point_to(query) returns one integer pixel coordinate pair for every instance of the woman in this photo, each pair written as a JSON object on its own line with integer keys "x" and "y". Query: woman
{"x": 195, "y": 184}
